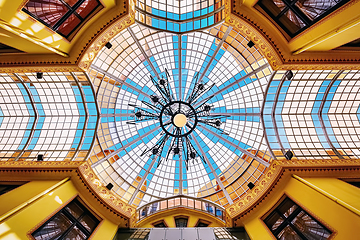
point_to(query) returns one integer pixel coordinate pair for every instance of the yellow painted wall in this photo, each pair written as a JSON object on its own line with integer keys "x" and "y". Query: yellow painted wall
{"x": 23, "y": 193}
{"x": 340, "y": 219}
{"x": 18, "y": 225}
{"x": 105, "y": 230}
{"x": 339, "y": 189}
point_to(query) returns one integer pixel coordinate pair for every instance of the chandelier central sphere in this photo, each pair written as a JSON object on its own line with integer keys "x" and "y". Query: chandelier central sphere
{"x": 180, "y": 120}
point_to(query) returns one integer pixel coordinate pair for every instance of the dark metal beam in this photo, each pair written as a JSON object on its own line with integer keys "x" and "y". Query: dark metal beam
{"x": 320, "y": 114}
{"x": 143, "y": 51}
{"x": 118, "y": 80}
{"x": 262, "y": 161}
{"x": 262, "y": 115}
{"x": 124, "y": 147}
{"x": 273, "y": 113}
{"x": 32, "y": 101}
{"x": 221, "y": 185}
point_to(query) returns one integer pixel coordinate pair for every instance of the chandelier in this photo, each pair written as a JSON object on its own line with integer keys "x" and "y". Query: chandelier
{"x": 178, "y": 119}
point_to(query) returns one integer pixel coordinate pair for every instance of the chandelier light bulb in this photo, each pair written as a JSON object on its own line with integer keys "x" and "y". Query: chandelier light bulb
{"x": 180, "y": 120}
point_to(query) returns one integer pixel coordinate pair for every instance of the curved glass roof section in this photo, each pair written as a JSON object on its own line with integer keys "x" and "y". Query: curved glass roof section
{"x": 316, "y": 114}
{"x": 121, "y": 76}
{"x": 55, "y": 116}
{"x": 179, "y": 16}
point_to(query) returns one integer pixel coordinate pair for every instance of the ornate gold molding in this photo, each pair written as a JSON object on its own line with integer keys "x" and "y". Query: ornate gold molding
{"x": 280, "y": 169}
{"x": 246, "y": 29}
{"x": 113, "y": 200}
{"x": 89, "y": 55}
{"x": 48, "y": 68}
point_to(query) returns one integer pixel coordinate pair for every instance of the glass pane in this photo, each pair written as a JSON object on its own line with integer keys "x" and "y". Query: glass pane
{"x": 89, "y": 223}
{"x": 275, "y": 7}
{"x": 274, "y": 221}
{"x": 69, "y": 25}
{"x": 209, "y": 208}
{"x": 50, "y": 11}
{"x": 287, "y": 207}
{"x": 288, "y": 234}
{"x": 87, "y": 7}
{"x": 163, "y": 204}
{"x": 54, "y": 228}
{"x": 313, "y": 9}
{"x": 309, "y": 227}
{"x": 291, "y": 21}
{"x": 74, "y": 209}
{"x": 75, "y": 234}
{"x": 198, "y": 204}
{"x": 71, "y": 2}
{"x": 181, "y": 222}
{"x": 154, "y": 207}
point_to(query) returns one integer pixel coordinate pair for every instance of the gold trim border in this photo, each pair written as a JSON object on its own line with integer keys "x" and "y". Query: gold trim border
{"x": 91, "y": 52}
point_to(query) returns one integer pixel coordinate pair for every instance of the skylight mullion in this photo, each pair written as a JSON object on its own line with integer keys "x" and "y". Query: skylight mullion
{"x": 237, "y": 81}
{"x": 226, "y": 34}
{"x": 118, "y": 80}
{"x": 179, "y": 65}
{"x": 143, "y": 52}
{"x": 142, "y": 181}
{"x": 86, "y": 117}
{"x": 35, "y": 120}
{"x": 237, "y": 147}
{"x": 125, "y": 146}
{"x": 321, "y": 110}
{"x": 227, "y": 196}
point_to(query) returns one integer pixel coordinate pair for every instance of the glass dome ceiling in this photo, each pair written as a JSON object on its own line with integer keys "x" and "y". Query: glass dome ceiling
{"x": 220, "y": 55}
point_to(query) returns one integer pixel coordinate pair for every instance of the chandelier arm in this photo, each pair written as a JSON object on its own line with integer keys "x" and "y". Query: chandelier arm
{"x": 168, "y": 85}
{"x": 202, "y": 92}
{"x": 147, "y": 113}
{"x": 151, "y": 106}
{"x": 162, "y": 142}
{"x": 203, "y": 102}
{"x": 196, "y": 78}
{"x": 163, "y": 94}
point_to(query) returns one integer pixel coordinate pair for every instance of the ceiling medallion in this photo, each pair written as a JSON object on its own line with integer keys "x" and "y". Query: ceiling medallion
{"x": 178, "y": 119}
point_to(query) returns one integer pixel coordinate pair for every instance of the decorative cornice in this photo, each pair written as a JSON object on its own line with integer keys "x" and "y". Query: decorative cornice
{"x": 29, "y": 165}
{"x": 18, "y": 67}
{"x": 117, "y": 205}
{"x": 88, "y": 56}
{"x": 279, "y": 169}
{"x": 253, "y": 33}
{"x": 118, "y": 24}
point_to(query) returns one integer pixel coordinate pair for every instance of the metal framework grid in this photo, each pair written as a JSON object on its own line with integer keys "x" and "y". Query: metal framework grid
{"x": 55, "y": 116}
{"x": 179, "y": 16}
{"x": 240, "y": 75}
{"x": 315, "y": 114}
